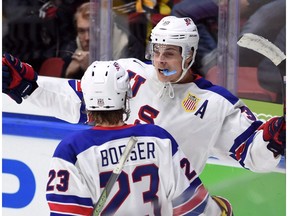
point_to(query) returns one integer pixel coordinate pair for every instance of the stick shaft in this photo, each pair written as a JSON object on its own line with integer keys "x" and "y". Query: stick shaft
{"x": 114, "y": 176}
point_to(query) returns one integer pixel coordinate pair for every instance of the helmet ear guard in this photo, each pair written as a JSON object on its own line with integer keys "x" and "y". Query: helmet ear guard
{"x": 121, "y": 78}
{"x": 105, "y": 85}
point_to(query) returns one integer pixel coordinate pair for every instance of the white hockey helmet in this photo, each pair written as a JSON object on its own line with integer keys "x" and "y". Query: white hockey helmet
{"x": 176, "y": 31}
{"x": 104, "y": 86}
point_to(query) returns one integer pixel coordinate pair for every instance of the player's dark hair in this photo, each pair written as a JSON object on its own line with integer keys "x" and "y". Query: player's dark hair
{"x": 112, "y": 117}
{"x": 107, "y": 117}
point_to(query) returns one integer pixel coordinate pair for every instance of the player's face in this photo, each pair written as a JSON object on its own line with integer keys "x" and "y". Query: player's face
{"x": 83, "y": 26}
{"x": 167, "y": 58}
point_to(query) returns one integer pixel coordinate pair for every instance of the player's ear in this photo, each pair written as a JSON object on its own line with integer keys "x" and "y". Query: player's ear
{"x": 189, "y": 57}
{"x": 191, "y": 53}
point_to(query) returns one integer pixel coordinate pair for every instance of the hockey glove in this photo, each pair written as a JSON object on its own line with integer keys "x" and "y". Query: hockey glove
{"x": 274, "y": 131}
{"x": 19, "y": 79}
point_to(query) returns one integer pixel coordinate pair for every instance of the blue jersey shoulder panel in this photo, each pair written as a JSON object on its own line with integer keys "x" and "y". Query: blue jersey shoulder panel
{"x": 83, "y": 140}
{"x": 207, "y": 85}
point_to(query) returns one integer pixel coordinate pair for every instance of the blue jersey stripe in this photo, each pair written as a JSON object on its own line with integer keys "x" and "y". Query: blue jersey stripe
{"x": 69, "y": 199}
{"x": 75, "y": 85}
{"x": 207, "y": 85}
{"x": 91, "y": 137}
{"x": 186, "y": 195}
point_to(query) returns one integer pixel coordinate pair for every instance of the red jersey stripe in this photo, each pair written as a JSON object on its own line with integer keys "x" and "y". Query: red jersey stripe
{"x": 66, "y": 208}
{"x": 200, "y": 196}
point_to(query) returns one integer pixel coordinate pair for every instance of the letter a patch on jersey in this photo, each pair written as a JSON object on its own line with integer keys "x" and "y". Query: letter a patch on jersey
{"x": 190, "y": 102}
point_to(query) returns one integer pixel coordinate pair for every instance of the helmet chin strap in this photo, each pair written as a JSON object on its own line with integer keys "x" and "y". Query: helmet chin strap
{"x": 184, "y": 71}
{"x": 169, "y": 73}
{"x": 126, "y": 107}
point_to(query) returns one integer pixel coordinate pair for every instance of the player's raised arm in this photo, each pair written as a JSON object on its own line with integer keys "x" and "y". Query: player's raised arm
{"x": 257, "y": 145}
{"x": 58, "y": 97}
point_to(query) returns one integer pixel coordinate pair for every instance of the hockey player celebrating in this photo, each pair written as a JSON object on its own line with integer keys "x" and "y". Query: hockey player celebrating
{"x": 205, "y": 119}
{"x": 84, "y": 160}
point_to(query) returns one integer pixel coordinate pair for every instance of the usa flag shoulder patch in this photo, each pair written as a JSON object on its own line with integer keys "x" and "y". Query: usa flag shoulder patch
{"x": 190, "y": 102}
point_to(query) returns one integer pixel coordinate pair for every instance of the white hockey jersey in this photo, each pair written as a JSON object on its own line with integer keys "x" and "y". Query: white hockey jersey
{"x": 157, "y": 178}
{"x": 205, "y": 119}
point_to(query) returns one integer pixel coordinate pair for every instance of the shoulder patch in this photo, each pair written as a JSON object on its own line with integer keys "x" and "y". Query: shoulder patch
{"x": 189, "y": 103}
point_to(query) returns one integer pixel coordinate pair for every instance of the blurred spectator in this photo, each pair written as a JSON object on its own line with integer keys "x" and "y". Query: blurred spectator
{"x": 268, "y": 20}
{"x": 129, "y": 34}
{"x": 141, "y": 16}
{"x": 36, "y": 30}
{"x": 76, "y": 64}
{"x": 136, "y": 17}
{"x": 26, "y": 35}
{"x": 269, "y": 75}
{"x": 137, "y": 23}
{"x": 204, "y": 13}
{"x": 63, "y": 17}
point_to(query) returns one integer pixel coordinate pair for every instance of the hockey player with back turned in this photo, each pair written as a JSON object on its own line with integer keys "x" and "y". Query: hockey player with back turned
{"x": 169, "y": 94}
{"x": 84, "y": 160}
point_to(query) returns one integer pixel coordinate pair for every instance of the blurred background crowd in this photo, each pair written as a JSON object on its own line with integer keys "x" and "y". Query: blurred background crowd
{"x": 57, "y": 33}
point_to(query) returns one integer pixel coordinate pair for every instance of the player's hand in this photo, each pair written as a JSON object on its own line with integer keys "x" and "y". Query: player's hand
{"x": 274, "y": 131}
{"x": 18, "y": 78}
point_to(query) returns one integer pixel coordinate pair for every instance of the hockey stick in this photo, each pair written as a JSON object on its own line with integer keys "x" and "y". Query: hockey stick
{"x": 114, "y": 176}
{"x": 266, "y": 48}
{"x": 262, "y": 46}
{"x": 272, "y": 52}
{"x": 269, "y": 50}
